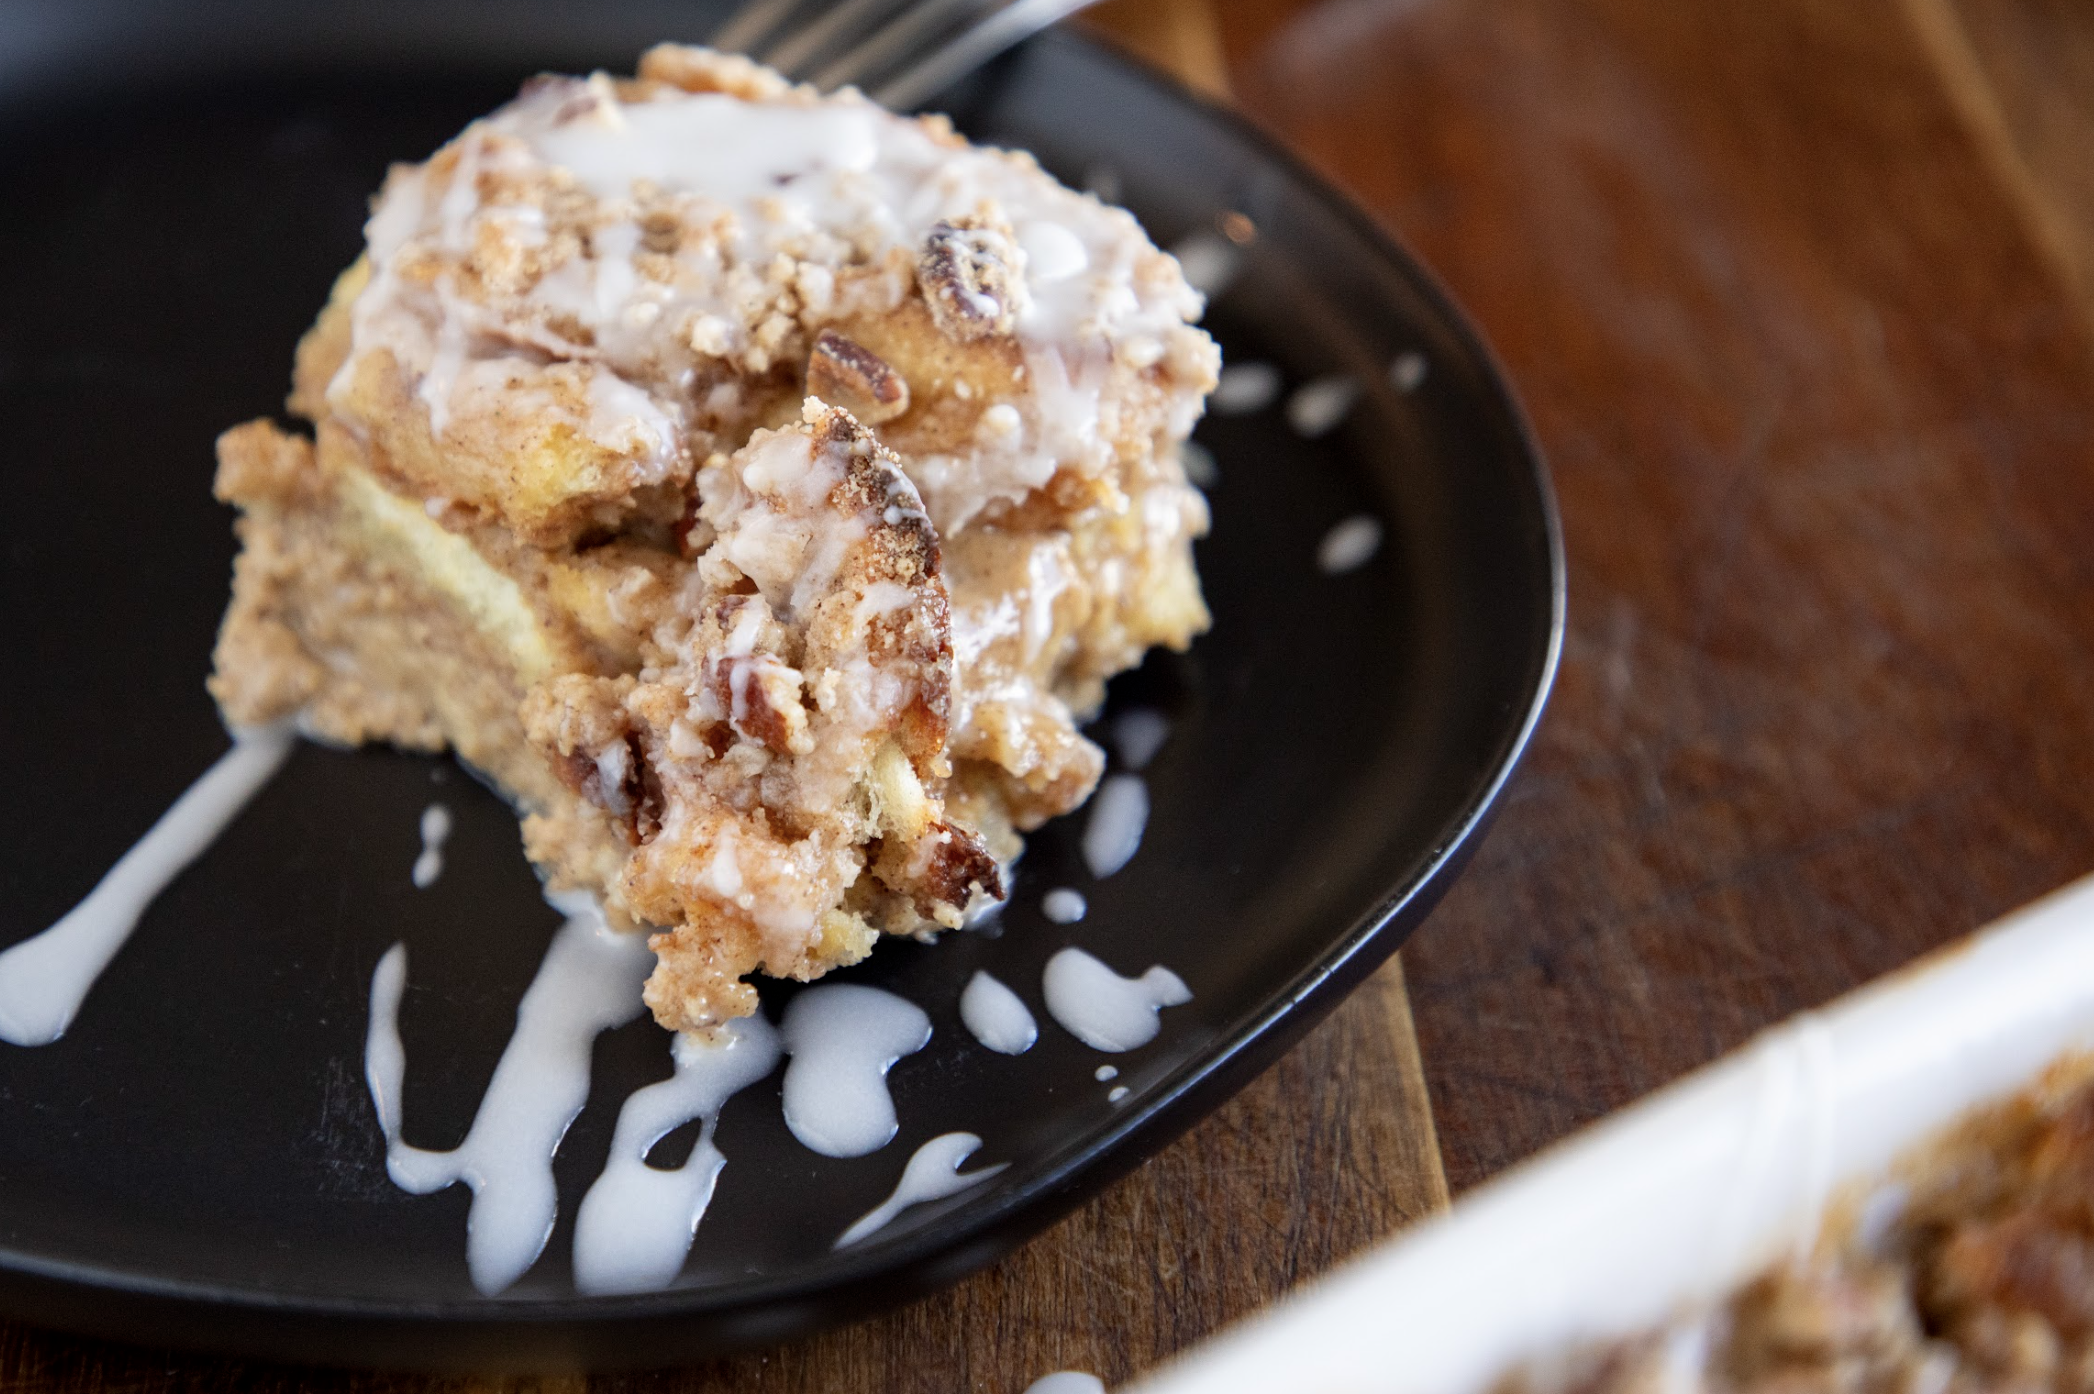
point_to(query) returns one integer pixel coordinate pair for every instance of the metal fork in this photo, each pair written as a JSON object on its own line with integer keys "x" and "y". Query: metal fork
{"x": 900, "y": 51}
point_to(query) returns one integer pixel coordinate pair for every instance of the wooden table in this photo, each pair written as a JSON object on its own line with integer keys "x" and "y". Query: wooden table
{"x": 1800, "y": 295}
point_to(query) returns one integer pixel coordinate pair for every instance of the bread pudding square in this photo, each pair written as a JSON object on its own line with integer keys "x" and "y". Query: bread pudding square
{"x": 757, "y": 486}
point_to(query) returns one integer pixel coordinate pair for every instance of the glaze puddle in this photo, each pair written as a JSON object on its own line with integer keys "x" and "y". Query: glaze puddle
{"x": 588, "y": 983}
{"x": 1349, "y": 546}
{"x": 1245, "y": 388}
{"x": 1064, "y": 905}
{"x": 1317, "y": 408}
{"x": 843, "y": 1039}
{"x": 436, "y": 829}
{"x": 1104, "y": 1010}
{"x": 45, "y": 978}
{"x": 933, "y": 1173}
{"x": 1209, "y": 262}
{"x": 997, "y": 1016}
{"x": 635, "y": 1227}
{"x": 1119, "y": 816}
{"x": 1199, "y": 464}
{"x": 1138, "y": 734}
{"x": 1408, "y": 371}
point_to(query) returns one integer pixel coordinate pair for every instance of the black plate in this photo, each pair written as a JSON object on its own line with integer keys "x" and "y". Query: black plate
{"x": 197, "y": 1161}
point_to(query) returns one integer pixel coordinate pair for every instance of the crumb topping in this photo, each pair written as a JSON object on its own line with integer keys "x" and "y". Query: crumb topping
{"x": 649, "y": 262}
{"x": 787, "y": 729}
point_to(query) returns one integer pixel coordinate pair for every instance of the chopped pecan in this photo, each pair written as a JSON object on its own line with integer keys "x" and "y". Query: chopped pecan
{"x": 957, "y": 864}
{"x": 619, "y": 780}
{"x": 846, "y": 374}
{"x": 939, "y": 871}
{"x": 970, "y": 277}
{"x": 763, "y": 697}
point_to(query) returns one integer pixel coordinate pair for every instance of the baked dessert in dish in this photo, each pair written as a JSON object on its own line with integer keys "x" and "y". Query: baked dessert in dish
{"x": 1971, "y": 1267}
{"x": 759, "y": 487}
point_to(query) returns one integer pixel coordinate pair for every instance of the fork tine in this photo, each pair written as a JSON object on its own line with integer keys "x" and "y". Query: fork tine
{"x": 907, "y": 32}
{"x": 1009, "y": 25}
{"x": 847, "y": 22}
{"x": 750, "y": 24}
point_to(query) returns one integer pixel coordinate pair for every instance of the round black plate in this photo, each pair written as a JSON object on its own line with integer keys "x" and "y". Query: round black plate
{"x": 197, "y": 1161}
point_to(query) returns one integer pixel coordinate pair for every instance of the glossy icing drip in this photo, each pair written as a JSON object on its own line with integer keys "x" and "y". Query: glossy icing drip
{"x": 1104, "y": 1010}
{"x": 1138, "y": 734}
{"x": 1244, "y": 388}
{"x": 1064, "y": 905}
{"x": 1119, "y": 816}
{"x": 635, "y": 1227}
{"x": 1349, "y": 545}
{"x": 45, "y": 978}
{"x": 997, "y": 1016}
{"x": 933, "y": 1173}
{"x": 1320, "y": 405}
{"x": 436, "y": 829}
{"x": 588, "y": 983}
{"x": 843, "y": 1039}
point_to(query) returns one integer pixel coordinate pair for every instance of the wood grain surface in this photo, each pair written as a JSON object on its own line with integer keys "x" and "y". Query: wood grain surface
{"x": 1792, "y": 292}
{"x": 1800, "y": 295}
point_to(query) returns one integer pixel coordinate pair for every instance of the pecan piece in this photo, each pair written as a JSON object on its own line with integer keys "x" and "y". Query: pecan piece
{"x": 846, "y": 374}
{"x": 972, "y": 276}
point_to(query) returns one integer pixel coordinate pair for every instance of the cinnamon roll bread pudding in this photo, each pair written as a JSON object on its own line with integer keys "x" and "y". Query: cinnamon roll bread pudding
{"x": 757, "y": 486}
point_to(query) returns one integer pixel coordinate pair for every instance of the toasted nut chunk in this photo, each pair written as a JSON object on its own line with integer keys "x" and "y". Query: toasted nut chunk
{"x": 846, "y": 374}
{"x": 973, "y": 277}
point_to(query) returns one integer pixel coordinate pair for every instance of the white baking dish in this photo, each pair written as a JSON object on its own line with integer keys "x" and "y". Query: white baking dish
{"x": 1674, "y": 1201}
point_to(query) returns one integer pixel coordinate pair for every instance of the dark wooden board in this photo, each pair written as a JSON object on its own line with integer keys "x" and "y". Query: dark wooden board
{"x": 1788, "y": 289}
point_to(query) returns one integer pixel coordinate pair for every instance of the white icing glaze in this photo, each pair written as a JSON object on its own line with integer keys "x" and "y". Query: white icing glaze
{"x": 843, "y": 1039}
{"x": 828, "y": 184}
{"x": 997, "y": 1016}
{"x": 1105, "y": 1074}
{"x": 1104, "y": 1010}
{"x": 1138, "y": 734}
{"x": 1119, "y": 815}
{"x": 1064, "y": 905}
{"x": 1244, "y": 388}
{"x": 45, "y": 978}
{"x": 1408, "y": 371}
{"x": 1210, "y": 262}
{"x": 1067, "y": 1382}
{"x": 1052, "y": 252}
{"x": 635, "y": 1227}
{"x": 933, "y": 1173}
{"x": 588, "y": 983}
{"x": 436, "y": 829}
{"x": 1199, "y": 464}
{"x": 710, "y": 144}
{"x": 1349, "y": 545}
{"x": 1319, "y": 405}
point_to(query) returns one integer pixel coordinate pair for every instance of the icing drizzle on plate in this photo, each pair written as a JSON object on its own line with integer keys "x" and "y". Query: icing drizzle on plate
{"x": 637, "y": 1222}
{"x": 589, "y": 982}
{"x": 843, "y": 1039}
{"x": 933, "y": 1173}
{"x": 45, "y": 978}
